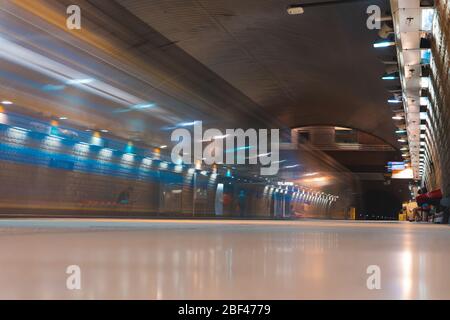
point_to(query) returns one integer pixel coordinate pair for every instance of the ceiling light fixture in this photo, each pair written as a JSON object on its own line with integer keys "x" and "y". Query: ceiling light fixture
{"x": 384, "y": 44}
{"x": 295, "y": 10}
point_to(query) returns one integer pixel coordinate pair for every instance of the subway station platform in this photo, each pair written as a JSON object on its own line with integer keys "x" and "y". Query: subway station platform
{"x": 236, "y": 259}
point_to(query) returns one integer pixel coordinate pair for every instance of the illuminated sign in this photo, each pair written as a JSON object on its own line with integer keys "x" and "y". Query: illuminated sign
{"x": 407, "y": 173}
{"x": 285, "y": 183}
{"x": 396, "y": 166}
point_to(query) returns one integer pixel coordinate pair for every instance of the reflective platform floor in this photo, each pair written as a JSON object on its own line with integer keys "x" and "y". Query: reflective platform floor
{"x": 186, "y": 259}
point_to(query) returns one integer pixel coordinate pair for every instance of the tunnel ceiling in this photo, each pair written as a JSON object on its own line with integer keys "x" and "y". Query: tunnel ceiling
{"x": 315, "y": 68}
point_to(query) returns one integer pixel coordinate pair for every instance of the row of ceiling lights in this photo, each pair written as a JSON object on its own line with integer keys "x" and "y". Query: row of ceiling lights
{"x": 392, "y": 73}
{"x": 392, "y": 67}
{"x": 400, "y": 116}
{"x": 414, "y": 30}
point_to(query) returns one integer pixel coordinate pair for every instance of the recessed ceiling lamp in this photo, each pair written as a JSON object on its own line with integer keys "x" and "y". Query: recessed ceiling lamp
{"x": 384, "y": 44}
{"x": 295, "y": 10}
{"x": 390, "y": 76}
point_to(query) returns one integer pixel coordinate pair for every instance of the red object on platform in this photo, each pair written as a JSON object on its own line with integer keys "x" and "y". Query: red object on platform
{"x": 429, "y": 197}
{"x": 421, "y": 199}
{"x": 435, "y": 194}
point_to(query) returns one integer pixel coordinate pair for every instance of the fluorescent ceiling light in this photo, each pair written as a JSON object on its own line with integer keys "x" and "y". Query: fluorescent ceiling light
{"x": 384, "y": 44}
{"x": 295, "y": 10}
{"x": 427, "y": 19}
{"x": 424, "y": 101}
{"x": 80, "y": 81}
{"x": 424, "y": 82}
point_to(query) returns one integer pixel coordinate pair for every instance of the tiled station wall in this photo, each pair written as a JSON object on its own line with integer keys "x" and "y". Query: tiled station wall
{"x": 438, "y": 173}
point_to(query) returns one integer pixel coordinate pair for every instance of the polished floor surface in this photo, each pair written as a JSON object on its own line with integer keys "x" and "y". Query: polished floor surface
{"x": 174, "y": 259}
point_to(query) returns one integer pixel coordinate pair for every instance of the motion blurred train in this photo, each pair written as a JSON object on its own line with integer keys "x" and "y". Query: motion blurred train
{"x": 50, "y": 170}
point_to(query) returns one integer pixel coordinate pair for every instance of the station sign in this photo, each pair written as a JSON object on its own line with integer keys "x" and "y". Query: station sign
{"x": 395, "y": 166}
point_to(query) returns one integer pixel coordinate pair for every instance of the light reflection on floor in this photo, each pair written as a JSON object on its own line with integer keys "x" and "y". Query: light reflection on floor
{"x": 173, "y": 259}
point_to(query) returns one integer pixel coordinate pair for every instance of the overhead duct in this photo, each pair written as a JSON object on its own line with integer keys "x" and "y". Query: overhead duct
{"x": 386, "y": 30}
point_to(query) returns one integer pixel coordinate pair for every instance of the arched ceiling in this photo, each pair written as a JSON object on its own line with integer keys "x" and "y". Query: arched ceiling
{"x": 226, "y": 62}
{"x": 315, "y": 68}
